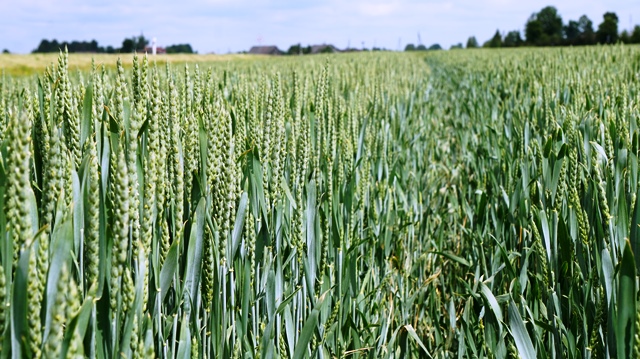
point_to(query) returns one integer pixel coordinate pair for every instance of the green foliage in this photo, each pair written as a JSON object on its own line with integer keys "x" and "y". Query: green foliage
{"x": 472, "y": 43}
{"x": 571, "y": 31}
{"x": 533, "y": 31}
{"x": 295, "y": 50}
{"x": 179, "y": 49}
{"x": 625, "y": 37}
{"x": 73, "y": 46}
{"x": 512, "y": 39}
{"x": 608, "y": 30}
{"x": 635, "y": 35}
{"x": 496, "y": 40}
{"x": 127, "y": 46}
{"x": 551, "y": 22}
{"x": 148, "y": 179}
{"x": 388, "y": 205}
{"x": 544, "y": 27}
{"x": 327, "y": 50}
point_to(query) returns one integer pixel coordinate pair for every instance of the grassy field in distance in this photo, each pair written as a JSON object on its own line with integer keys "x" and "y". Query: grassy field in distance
{"x": 26, "y": 64}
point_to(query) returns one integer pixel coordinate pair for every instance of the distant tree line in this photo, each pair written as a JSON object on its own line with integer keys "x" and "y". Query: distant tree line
{"x": 74, "y": 46}
{"x": 135, "y": 43}
{"x": 179, "y": 49}
{"x": 132, "y": 44}
{"x": 298, "y": 49}
{"x": 412, "y": 47}
{"x": 546, "y": 28}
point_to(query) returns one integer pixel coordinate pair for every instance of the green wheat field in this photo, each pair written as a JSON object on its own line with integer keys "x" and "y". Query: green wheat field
{"x": 449, "y": 204}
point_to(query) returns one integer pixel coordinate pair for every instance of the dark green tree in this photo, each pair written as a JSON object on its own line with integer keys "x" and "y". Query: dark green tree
{"x": 472, "y": 43}
{"x": 127, "y": 46}
{"x": 512, "y": 39}
{"x": 572, "y": 32}
{"x": 140, "y": 43}
{"x": 48, "y": 46}
{"x": 625, "y": 37}
{"x": 495, "y": 41}
{"x": 587, "y": 34}
{"x": 421, "y": 48}
{"x": 551, "y": 24}
{"x": 544, "y": 28}
{"x": 43, "y": 46}
{"x": 295, "y": 50}
{"x": 73, "y": 46}
{"x": 533, "y": 31}
{"x": 410, "y": 47}
{"x": 635, "y": 35}
{"x": 137, "y": 43}
{"x": 179, "y": 49}
{"x": 608, "y": 29}
{"x": 93, "y": 46}
{"x": 435, "y": 47}
{"x": 327, "y": 50}
{"x": 456, "y": 46}
{"x": 5, "y": 51}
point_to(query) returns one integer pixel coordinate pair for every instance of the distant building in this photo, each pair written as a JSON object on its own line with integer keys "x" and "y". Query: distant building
{"x": 324, "y": 48}
{"x": 265, "y": 50}
{"x": 158, "y": 50}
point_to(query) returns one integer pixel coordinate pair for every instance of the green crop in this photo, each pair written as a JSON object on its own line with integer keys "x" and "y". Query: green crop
{"x": 371, "y": 205}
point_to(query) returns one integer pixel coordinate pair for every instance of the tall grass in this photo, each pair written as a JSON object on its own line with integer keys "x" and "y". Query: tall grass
{"x": 456, "y": 204}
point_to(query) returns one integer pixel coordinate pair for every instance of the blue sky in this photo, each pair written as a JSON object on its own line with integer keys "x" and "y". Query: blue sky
{"x": 233, "y": 25}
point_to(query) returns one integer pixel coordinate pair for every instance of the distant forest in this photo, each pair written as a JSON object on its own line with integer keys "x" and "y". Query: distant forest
{"x": 136, "y": 43}
{"x": 546, "y": 28}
